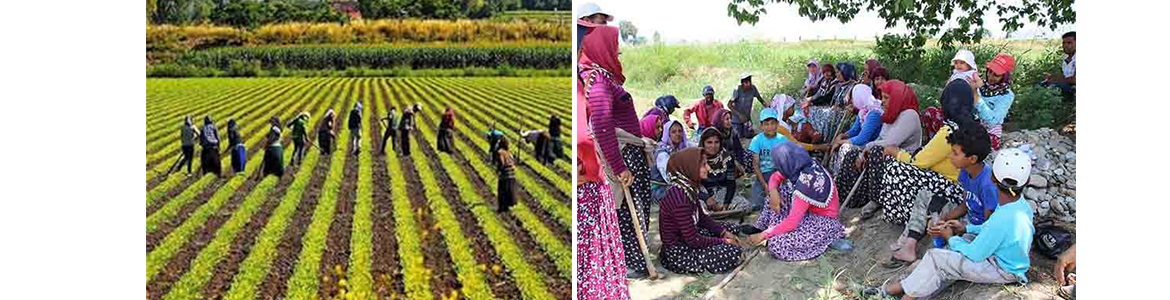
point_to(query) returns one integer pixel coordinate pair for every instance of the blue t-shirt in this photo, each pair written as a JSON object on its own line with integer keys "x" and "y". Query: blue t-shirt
{"x": 981, "y": 194}
{"x": 763, "y": 145}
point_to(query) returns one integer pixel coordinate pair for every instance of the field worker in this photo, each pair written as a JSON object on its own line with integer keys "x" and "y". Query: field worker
{"x": 901, "y": 128}
{"x": 540, "y": 144}
{"x": 506, "y": 178}
{"x": 664, "y": 106}
{"x": 273, "y": 163}
{"x": 446, "y": 126}
{"x": 355, "y": 128}
{"x": 554, "y": 132}
{"x": 404, "y": 128}
{"x": 692, "y": 241}
{"x": 236, "y": 147}
{"x": 494, "y": 136}
{"x": 187, "y": 135}
{"x": 210, "y": 142}
{"x": 617, "y": 133}
{"x": 325, "y": 133}
{"x": 999, "y": 253}
{"x": 801, "y": 219}
{"x": 1067, "y": 80}
{"x": 391, "y": 126}
{"x": 741, "y": 105}
{"x": 995, "y": 96}
{"x": 592, "y": 13}
{"x": 812, "y": 83}
{"x": 300, "y": 137}
{"x": 703, "y": 109}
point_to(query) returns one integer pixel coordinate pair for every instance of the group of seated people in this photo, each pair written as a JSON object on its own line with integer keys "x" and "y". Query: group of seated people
{"x": 799, "y": 198}
{"x": 944, "y": 189}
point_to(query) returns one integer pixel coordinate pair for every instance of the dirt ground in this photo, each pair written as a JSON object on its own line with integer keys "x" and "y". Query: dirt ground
{"x": 833, "y": 275}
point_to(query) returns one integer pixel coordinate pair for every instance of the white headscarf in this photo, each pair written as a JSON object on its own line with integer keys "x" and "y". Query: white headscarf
{"x": 782, "y": 102}
{"x": 864, "y": 101}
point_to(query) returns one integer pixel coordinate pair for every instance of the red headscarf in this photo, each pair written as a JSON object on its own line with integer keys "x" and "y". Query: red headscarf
{"x": 600, "y": 46}
{"x": 902, "y": 97}
{"x": 649, "y": 125}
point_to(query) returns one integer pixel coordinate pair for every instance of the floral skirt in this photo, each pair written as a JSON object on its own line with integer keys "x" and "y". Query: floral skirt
{"x": 684, "y": 259}
{"x": 809, "y": 240}
{"x": 601, "y": 266}
{"x": 825, "y": 120}
{"x": 896, "y": 184}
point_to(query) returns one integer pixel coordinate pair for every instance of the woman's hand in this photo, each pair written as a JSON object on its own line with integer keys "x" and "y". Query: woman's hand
{"x": 1066, "y": 261}
{"x": 626, "y": 177}
{"x": 891, "y": 150}
{"x": 859, "y": 163}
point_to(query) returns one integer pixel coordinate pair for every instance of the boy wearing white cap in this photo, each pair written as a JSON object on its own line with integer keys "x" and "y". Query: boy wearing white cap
{"x": 592, "y": 13}
{"x": 999, "y": 251}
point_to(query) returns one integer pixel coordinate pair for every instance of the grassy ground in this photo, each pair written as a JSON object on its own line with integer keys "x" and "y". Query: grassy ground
{"x": 683, "y": 69}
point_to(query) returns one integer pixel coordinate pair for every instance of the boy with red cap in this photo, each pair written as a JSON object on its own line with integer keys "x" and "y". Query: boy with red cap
{"x": 995, "y": 97}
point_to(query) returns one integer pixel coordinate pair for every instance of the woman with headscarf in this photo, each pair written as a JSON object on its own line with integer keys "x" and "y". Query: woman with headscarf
{"x": 901, "y": 178}
{"x": 506, "y": 174}
{"x": 815, "y": 74}
{"x": 300, "y": 137}
{"x": 355, "y": 128}
{"x": 786, "y": 106}
{"x": 732, "y": 141}
{"x": 325, "y": 133}
{"x": 823, "y": 110}
{"x": 996, "y": 97}
{"x": 556, "y": 146}
{"x": 209, "y": 140}
{"x": 446, "y": 126}
{"x": 236, "y": 147}
{"x": 879, "y": 77}
{"x": 273, "y": 163}
{"x": 404, "y": 128}
{"x": 540, "y": 144}
{"x": 617, "y": 134}
{"x": 900, "y": 128}
{"x": 720, "y": 183}
{"x": 187, "y": 136}
{"x": 801, "y": 219}
{"x": 600, "y": 255}
{"x": 867, "y": 125}
{"x": 693, "y": 242}
{"x": 664, "y": 106}
{"x": 871, "y": 66}
{"x": 651, "y": 128}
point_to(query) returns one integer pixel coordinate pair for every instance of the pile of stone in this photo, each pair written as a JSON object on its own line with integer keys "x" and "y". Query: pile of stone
{"x": 1052, "y": 189}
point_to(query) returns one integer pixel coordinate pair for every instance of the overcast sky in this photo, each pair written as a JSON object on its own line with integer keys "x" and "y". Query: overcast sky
{"x": 708, "y": 21}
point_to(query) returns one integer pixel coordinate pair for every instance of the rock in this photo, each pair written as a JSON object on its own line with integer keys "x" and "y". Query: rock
{"x": 1058, "y": 171}
{"x": 1069, "y": 219}
{"x": 1071, "y": 203}
{"x": 1071, "y": 184}
{"x": 1032, "y": 193}
{"x": 1043, "y": 164}
{"x": 1058, "y": 207}
{"x": 1043, "y": 209}
{"x": 1070, "y": 156}
{"x": 1034, "y": 206}
{"x": 1037, "y": 181}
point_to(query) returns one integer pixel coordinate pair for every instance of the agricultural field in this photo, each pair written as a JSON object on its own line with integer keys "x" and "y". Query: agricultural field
{"x": 365, "y": 226}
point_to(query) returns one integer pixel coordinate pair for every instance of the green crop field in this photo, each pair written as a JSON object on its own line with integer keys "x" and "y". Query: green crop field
{"x": 364, "y": 226}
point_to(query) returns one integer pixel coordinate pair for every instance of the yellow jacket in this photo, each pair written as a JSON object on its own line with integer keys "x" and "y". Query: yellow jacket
{"x": 934, "y": 156}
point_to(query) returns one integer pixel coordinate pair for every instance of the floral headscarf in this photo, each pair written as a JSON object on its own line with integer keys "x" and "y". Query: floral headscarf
{"x": 813, "y": 183}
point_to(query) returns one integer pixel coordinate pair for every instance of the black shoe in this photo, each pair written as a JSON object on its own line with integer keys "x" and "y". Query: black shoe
{"x": 748, "y": 229}
{"x": 636, "y": 274}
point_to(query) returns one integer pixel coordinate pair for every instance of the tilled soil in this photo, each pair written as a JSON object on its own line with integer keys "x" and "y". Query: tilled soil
{"x": 485, "y": 253}
{"x": 436, "y": 258}
{"x": 386, "y": 269}
{"x": 336, "y": 254}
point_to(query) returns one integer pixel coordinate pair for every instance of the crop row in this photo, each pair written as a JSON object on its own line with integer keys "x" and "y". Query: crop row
{"x": 361, "y": 242}
{"x": 340, "y": 57}
{"x": 163, "y": 132}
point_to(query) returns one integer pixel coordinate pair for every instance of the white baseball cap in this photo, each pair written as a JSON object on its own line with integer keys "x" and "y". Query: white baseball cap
{"x": 1013, "y": 164}
{"x": 589, "y": 9}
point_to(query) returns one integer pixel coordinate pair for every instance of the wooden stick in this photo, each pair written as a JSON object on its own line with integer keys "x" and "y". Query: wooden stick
{"x": 829, "y": 156}
{"x": 638, "y": 231}
{"x": 854, "y": 189}
{"x": 717, "y": 287}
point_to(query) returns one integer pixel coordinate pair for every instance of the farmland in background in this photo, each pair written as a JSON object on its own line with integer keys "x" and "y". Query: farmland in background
{"x": 366, "y": 226}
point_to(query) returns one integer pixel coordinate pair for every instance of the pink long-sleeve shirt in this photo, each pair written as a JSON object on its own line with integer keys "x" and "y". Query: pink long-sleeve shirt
{"x": 610, "y": 107}
{"x": 799, "y": 208}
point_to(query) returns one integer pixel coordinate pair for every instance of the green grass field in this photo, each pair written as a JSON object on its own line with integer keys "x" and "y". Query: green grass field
{"x": 358, "y": 226}
{"x": 653, "y": 70}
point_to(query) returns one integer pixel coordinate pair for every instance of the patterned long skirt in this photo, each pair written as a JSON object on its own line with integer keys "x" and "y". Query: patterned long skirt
{"x": 825, "y": 120}
{"x": 601, "y": 266}
{"x": 809, "y": 240}
{"x": 684, "y": 259}
{"x": 898, "y": 184}
{"x": 847, "y": 176}
{"x": 635, "y": 160}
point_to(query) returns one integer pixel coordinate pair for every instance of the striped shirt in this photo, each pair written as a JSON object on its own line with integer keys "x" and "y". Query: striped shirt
{"x": 610, "y": 107}
{"x": 679, "y": 219}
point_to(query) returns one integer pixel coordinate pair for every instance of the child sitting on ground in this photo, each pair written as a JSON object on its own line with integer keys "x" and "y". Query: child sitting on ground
{"x": 761, "y": 149}
{"x": 969, "y": 147}
{"x": 998, "y": 254}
